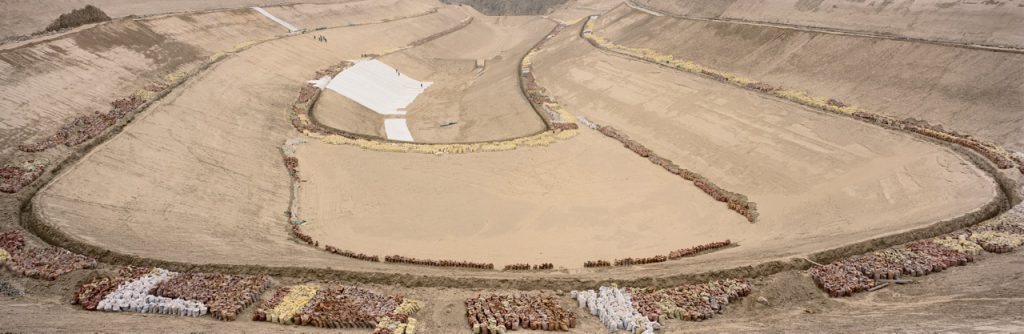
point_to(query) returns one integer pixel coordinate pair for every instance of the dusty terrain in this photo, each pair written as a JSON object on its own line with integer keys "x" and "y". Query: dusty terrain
{"x": 197, "y": 181}
{"x": 21, "y": 17}
{"x": 973, "y": 91}
{"x": 803, "y": 171}
{"x": 972, "y": 22}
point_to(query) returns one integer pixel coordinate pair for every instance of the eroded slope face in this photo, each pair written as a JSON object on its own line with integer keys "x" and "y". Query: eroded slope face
{"x": 973, "y": 91}
{"x": 971, "y": 22}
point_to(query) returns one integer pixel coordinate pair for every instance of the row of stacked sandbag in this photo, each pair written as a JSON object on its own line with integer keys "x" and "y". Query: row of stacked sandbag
{"x": 494, "y": 314}
{"x": 12, "y": 241}
{"x": 596, "y": 264}
{"x": 614, "y": 307}
{"x": 90, "y": 294}
{"x": 298, "y": 234}
{"x": 155, "y": 290}
{"x": 691, "y": 251}
{"x": 692, "y": 302}
{"x": 135, "y": 296}
{"x": 291, "y": 163}
{"x": 438, "y": 263}
{"x": 82, "y": 128}
{"x": 351, "y": 254}
{"x": 863, "y": 272}
{"x": 47, "y": 262}
{"x": 339, "y": 306}
{"x": 13, "y": 178}
{"x": 735, "y": 201}
{"x": 556, "y": 116}
{"x": 224, "y": 295}
{"x": 527, "y": 266}
{"x": 629, "y": 261}
{"x": 286, "y": 302}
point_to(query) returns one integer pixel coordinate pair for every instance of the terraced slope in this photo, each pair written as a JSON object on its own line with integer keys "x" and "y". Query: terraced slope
{"x": 972, "y": 22}
{"x": 26, "y": 17}
{"x": 973, "y": 91}
{"x": 49, "y": 83}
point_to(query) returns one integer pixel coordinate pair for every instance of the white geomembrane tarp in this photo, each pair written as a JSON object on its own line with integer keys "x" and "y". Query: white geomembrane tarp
{"x": 287, "y": 25}
{"x": 397, "y": 129}
{"x": 377, "y": 86}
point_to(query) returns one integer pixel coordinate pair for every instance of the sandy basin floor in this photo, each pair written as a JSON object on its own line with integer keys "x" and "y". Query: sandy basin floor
{"x": 199, "y": 178}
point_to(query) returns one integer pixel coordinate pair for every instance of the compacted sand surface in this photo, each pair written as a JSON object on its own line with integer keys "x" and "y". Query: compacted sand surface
{"x": 191, "y": 182}
{"x": 583, "y": 199}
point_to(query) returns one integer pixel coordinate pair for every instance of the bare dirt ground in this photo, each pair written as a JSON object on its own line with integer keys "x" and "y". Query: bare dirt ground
{"x": 530, "y": 205}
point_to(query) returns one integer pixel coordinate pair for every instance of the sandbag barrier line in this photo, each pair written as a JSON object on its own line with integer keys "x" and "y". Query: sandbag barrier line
{"x": 673, "y": 255}
{"x": 46, "y": 263}
{"x": 157, "y": 290}
{"x": 866, "y": 272}
{"x": 339, "y": 306}
{"x": 88, "y": 131}
{"x": 496, "y": 314}
{"x": 644, "y": 310}
{"x": 735, "y": 201}
{"x": 560, "y": 125}
{"x": 826, "y": 30}
{"x": 998, "y": 155}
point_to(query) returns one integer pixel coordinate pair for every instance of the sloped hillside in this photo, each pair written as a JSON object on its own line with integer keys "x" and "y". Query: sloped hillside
{"x": 510, "y": 7}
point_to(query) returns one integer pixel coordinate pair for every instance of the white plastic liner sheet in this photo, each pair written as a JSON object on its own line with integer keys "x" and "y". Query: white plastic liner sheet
{"x": 290, "y": 27}
{"x": 377, "y": 86}
{"x": 320, "y": 83}
{"x": 397, "y": 129}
